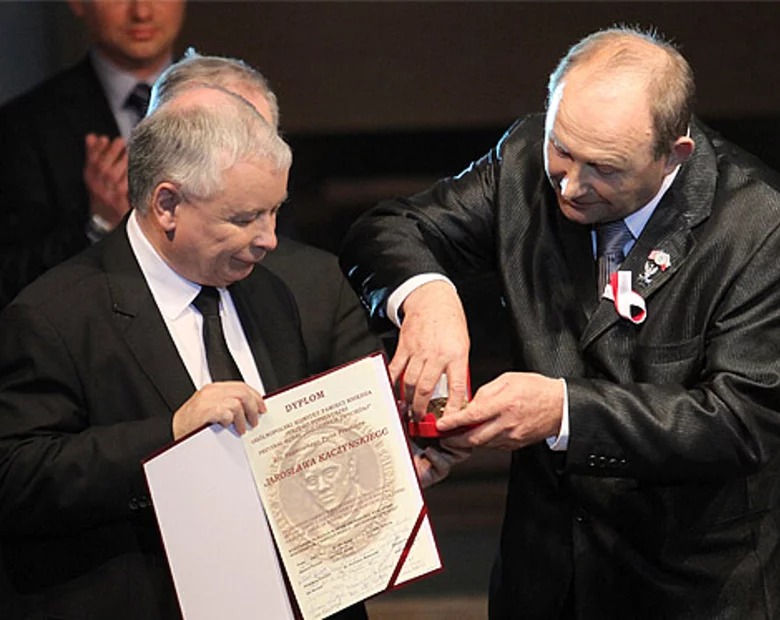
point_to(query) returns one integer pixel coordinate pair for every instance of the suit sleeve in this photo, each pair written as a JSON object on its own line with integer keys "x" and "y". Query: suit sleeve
{"x": 59, "y": 470}
{"x": 351, "y": 336}
{"x": 447, "y": 229}
{"x": 37, "y": 231}
{"x": 721, "y": 422}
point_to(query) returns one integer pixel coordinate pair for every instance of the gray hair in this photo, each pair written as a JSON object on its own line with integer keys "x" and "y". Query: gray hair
{"x": 190, "y": 145}
{"x": 670, "y": 82}
{"x": 194, "y": 69}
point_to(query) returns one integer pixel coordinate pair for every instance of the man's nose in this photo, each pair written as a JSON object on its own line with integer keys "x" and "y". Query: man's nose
{"x": 573, "y": 185}
{"x": 141, "y": 9}
{"x": 265, "y": 236}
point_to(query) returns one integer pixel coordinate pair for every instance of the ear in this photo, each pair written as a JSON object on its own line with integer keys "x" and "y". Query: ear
{"x": 681, "y": 150}
{"x": 165, "y": 199}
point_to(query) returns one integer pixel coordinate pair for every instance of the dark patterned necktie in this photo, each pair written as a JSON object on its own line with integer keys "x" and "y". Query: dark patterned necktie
{"x": 222, "y": 366}
{"x": 611, "y": 237}
{"x": 138, "y": 100}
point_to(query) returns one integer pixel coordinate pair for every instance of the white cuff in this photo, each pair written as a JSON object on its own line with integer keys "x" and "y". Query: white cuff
{"x": 399, "y": 295}
{"x": 561, "y": 442}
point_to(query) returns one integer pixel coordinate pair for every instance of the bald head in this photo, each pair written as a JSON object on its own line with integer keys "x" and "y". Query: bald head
{"x": 205, "y": 96}
{"x": 622, "y": 64}
{"x": 616, "y": 124}
{"x": 230, "y": 74}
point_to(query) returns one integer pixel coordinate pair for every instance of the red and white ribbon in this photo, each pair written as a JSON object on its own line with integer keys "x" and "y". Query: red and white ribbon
{"x": 629, "y": 304}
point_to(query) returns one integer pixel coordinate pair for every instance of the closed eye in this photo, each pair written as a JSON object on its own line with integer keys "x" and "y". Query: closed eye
{"x": 606, "y": 170}
{"x": 244, "y": 219}
{"x": 560, "y": 150}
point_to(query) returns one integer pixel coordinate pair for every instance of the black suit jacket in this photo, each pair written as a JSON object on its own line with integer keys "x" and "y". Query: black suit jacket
{"x": 44, "y": 209}
{"x": 43, "y": 200}
{"x": 334, "y": 324}
{"x": 89, "y": 382}
{"x": 667, "y": 502}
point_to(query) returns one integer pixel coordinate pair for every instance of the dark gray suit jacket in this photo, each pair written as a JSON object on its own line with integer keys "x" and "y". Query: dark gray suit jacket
{"x": 43, "y": 200}
{"x": 667, "y": 503}
{"x": 89, "y": 382}
{"x": 334, "y": 324}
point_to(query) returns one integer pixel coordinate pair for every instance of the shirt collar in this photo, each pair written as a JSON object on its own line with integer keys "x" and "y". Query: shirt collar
{"x": 117, "y": 84}
{"x": 172, "y": 293}
{"x": 638, "y": 219}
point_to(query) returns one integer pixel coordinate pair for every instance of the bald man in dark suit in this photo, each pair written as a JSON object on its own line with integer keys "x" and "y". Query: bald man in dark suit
{"x": 637, "y": 252}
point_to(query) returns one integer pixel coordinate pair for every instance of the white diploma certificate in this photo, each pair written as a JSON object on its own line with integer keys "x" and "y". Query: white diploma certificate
{"x": 334, "y": 471}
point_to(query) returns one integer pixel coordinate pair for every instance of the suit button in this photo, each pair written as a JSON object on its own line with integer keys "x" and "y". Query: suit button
{"x": 580, "y": 516}
{"x": 133, "y": 504}
{"x": 602, "y": 461}
{"x": 592, "y": 460}
{"x": 623, "y": 462}
{"x": 613, "y": 462}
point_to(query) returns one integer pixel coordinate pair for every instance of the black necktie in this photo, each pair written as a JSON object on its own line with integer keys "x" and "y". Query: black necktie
{"x": 610, "y": 239}
{"x": 138, "y": 100}
{"x": 222, "y": 366}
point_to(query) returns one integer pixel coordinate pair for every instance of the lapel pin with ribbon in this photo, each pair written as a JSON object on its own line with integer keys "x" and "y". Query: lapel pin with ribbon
{"x": 629, "y": 304}
{"x": 656, "y": 260}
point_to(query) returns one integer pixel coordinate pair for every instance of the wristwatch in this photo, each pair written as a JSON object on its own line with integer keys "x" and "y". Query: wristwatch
{"x": 97, "y": 228}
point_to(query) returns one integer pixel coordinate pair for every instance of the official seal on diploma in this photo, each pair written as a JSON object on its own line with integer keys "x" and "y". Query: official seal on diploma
{"x": 341, "y": 493}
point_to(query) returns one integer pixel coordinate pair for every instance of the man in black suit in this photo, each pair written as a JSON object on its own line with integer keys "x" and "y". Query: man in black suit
{"x": 63, "y": 162}
{"x": 52, "y": 203}
{"x": 102, "y": 360}
{"x": 334, "y": 324}
{"x": 643, "y": 411}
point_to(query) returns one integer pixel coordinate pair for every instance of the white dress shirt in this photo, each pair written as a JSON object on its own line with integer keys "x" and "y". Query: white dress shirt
{"x": 117, "y": 85}
{"x": 173, "y": 296}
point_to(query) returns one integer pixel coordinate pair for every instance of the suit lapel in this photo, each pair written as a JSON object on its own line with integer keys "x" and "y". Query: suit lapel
{"x": 265, "y": 307}
{"x": 577, "y": 249}
{"x": 251, "y": 317}
{"x": 140, "y": 323}
{"x": 85, "y": 104}
{"x": 270, "y": 320}
{"x": 687, "y": 203}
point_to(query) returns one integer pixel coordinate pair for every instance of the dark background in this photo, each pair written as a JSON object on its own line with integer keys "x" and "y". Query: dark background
{"x": 381, "y": 98}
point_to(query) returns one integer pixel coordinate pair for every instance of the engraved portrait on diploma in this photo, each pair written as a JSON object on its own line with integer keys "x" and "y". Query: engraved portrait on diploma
{"x": 332, "y": 465}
